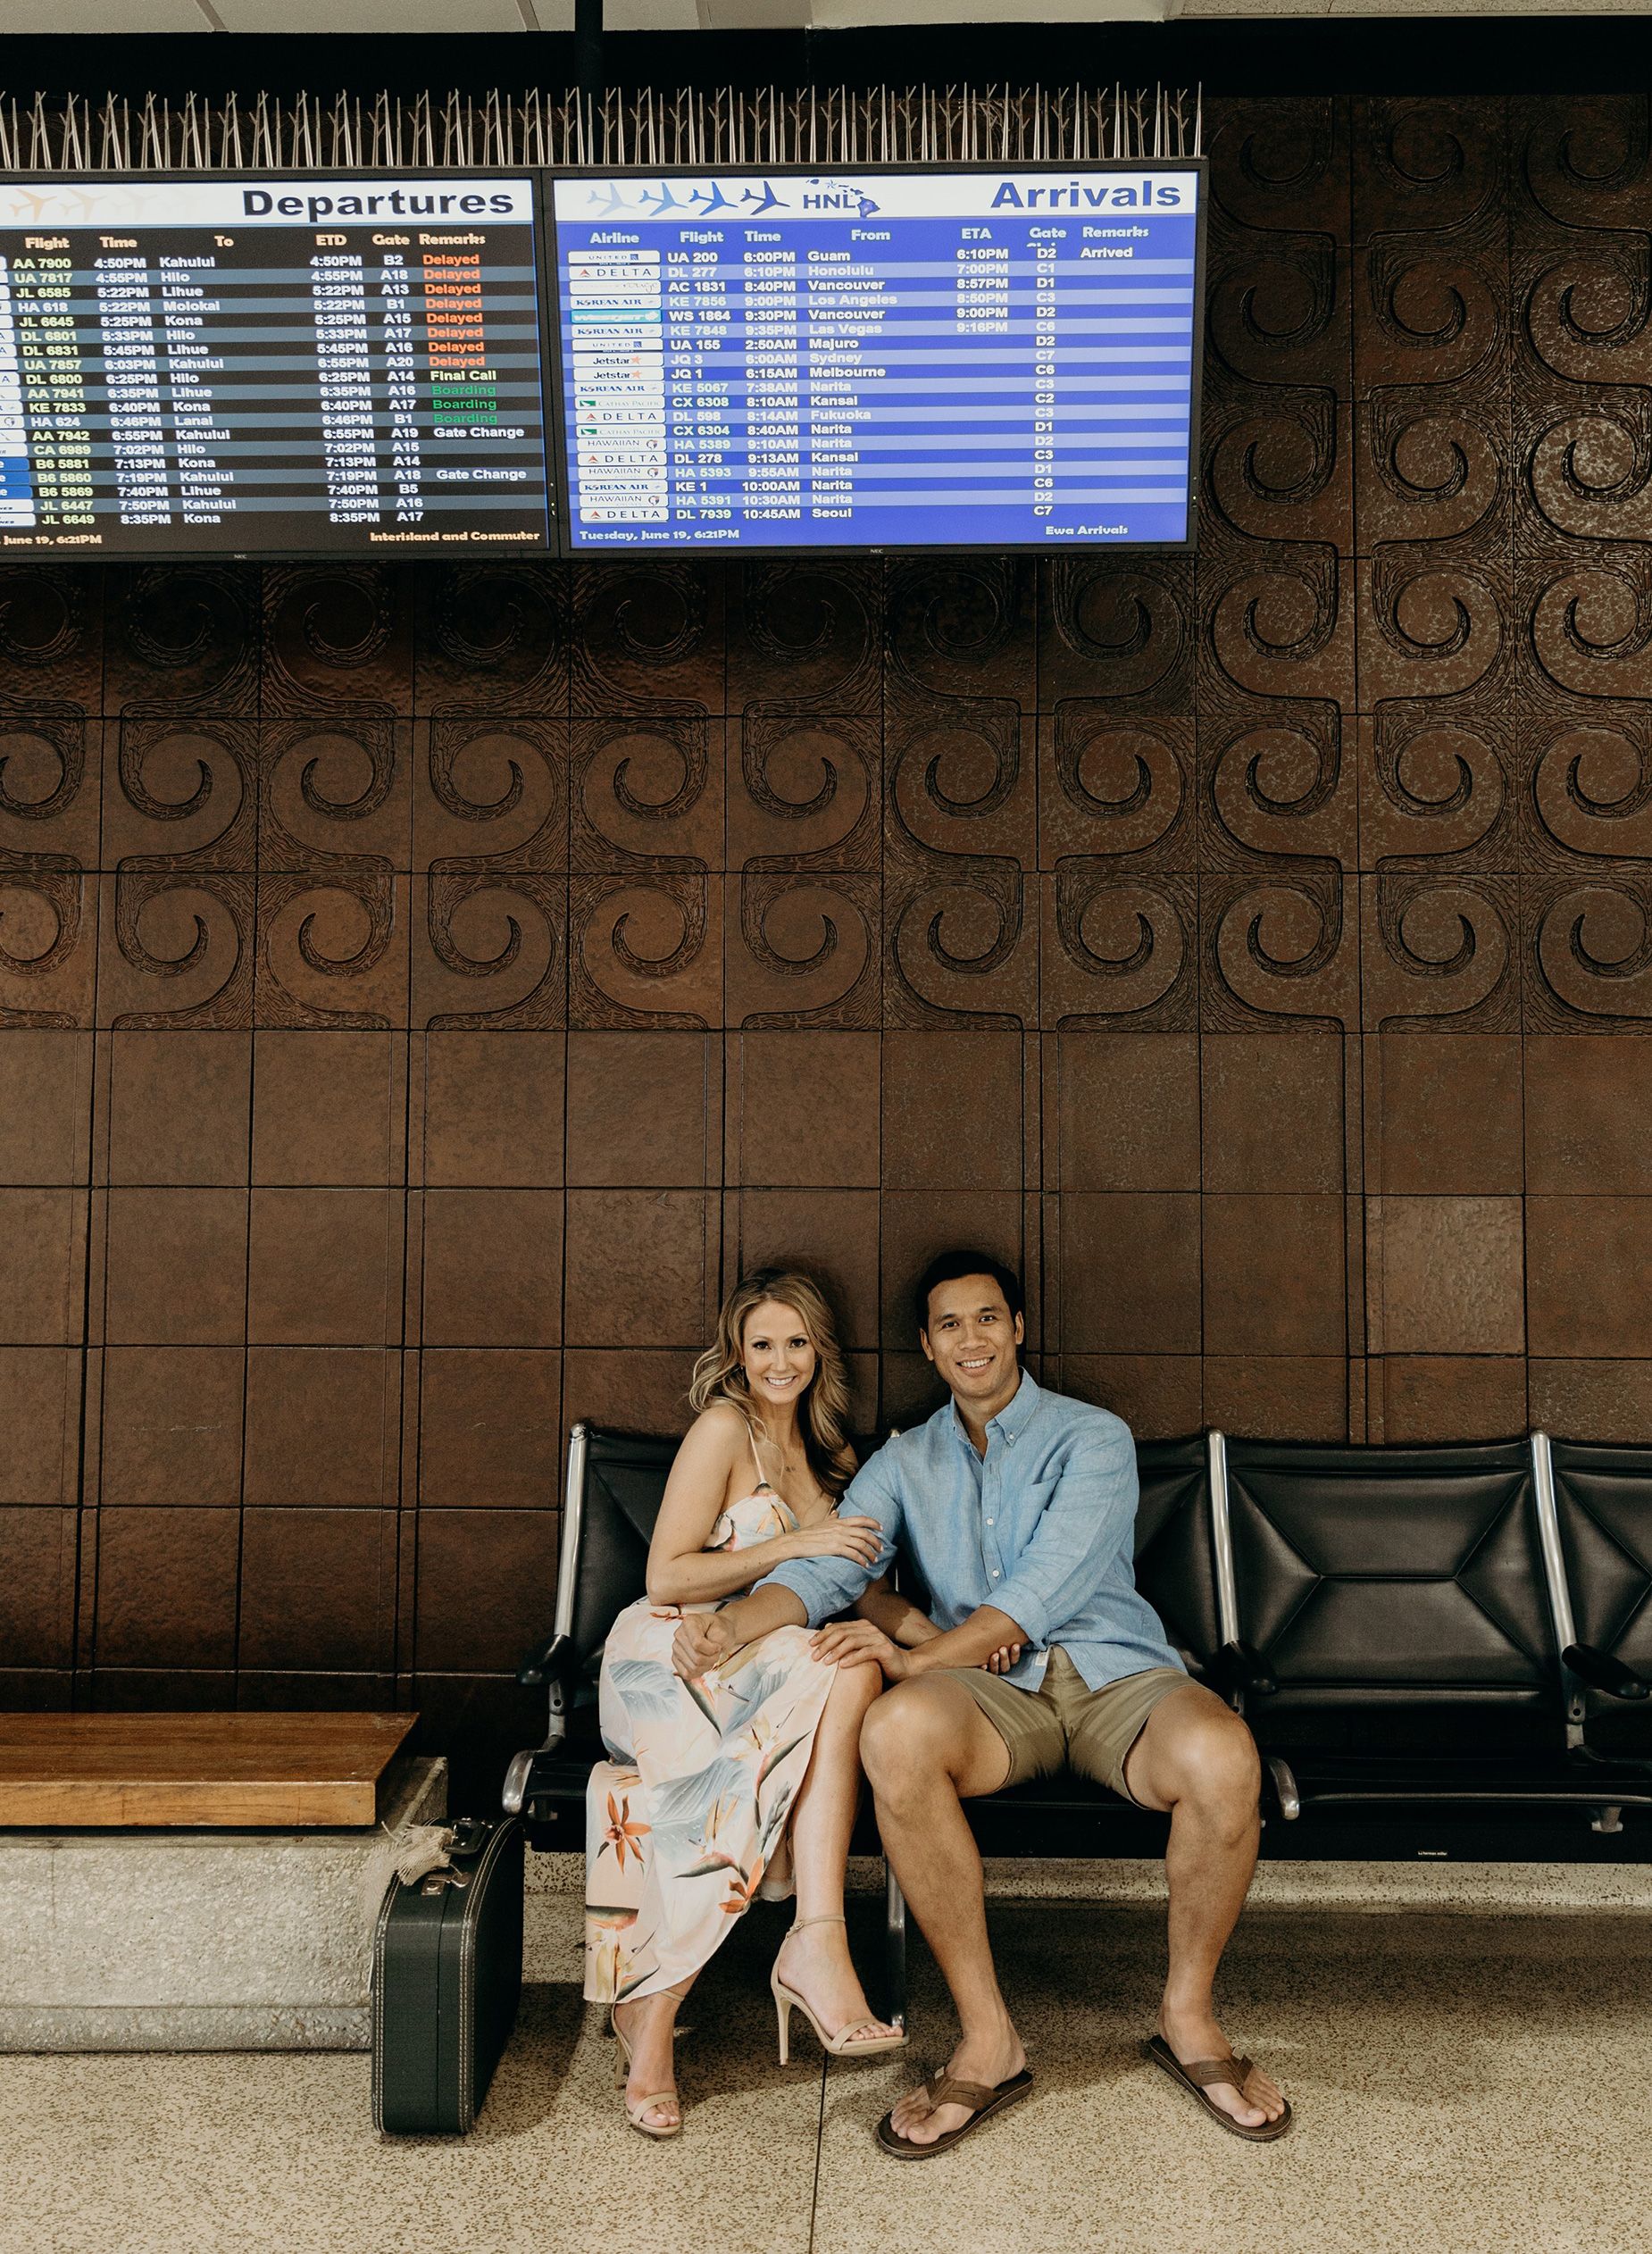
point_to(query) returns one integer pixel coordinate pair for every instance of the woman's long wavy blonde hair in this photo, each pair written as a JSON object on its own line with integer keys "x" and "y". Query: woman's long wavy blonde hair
{"x": 822, "y": 1414}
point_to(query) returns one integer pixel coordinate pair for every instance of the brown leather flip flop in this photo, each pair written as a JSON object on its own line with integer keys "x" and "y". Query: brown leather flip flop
{"x": 982, "y": 2097}
{"x": 1200, "y": 2074}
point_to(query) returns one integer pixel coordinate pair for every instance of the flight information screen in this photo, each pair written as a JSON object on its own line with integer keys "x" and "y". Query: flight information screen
{"x": 198, "y": 366}
{"x": 961, "y": 358}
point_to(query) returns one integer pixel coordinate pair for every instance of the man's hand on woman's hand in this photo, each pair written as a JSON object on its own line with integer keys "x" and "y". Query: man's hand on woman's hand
{"x": 701, "y": 1639}
{"x": 1003, "y": 1659}
{"x": 856, "y": 1643}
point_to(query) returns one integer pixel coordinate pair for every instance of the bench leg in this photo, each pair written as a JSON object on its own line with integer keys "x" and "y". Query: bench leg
{"x": 894, "y": 1949}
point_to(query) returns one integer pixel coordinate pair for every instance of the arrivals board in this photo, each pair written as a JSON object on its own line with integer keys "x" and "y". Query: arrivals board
{"x": 952, "y": 358}
{"x": 264, "y": 364}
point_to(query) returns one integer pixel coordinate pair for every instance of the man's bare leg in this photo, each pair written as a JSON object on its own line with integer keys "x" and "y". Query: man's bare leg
{"x": 927, "y": 1747}
{"x": 1196, "y": 1761}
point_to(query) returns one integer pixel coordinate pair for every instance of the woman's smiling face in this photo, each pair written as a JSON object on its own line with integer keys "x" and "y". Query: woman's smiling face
{"x": 777, "y": 1353}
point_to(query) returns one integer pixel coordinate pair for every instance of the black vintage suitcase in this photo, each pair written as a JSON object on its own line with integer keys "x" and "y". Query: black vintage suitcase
{"x": 447, "y": 1972}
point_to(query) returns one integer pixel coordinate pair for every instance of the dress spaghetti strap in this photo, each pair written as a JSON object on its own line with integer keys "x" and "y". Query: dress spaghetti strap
{"x": 762, "y": 1485}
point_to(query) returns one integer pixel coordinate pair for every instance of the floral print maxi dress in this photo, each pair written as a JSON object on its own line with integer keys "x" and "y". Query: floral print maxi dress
{"x": 682, "y": 1822}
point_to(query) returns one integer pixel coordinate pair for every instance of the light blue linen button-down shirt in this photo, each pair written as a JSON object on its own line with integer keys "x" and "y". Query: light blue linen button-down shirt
{"x": 1042, "y": 1527}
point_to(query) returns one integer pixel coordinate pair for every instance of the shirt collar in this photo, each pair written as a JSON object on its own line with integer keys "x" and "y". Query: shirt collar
{"x": 1011, "y": 1420}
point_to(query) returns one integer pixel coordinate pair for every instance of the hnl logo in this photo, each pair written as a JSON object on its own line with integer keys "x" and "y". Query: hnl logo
{"x": 837, "y": 196}
{"x": 705, "y": 199}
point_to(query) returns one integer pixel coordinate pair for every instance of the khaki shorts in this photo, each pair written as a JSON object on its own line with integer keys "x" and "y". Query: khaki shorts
{"x": 1064, "y": 1724}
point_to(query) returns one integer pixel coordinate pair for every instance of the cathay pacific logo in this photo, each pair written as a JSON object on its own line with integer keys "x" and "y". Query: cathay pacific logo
{"x": 1078, "y": 195}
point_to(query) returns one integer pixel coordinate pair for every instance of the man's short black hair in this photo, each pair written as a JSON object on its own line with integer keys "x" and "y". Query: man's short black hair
{"x": 947, "y": 1267}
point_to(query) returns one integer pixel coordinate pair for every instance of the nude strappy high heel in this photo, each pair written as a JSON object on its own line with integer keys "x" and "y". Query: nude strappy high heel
{"x": 839, "y": 2046}
{"x": 634, "y": 2107}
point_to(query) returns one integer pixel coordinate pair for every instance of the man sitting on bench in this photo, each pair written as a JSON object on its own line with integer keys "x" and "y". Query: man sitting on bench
{"x": 1017, "y": 1505}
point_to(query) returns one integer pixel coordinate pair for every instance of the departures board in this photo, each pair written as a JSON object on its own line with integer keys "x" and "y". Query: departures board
{"x": 272, "y": 365}
{"x": 953, "y": 357}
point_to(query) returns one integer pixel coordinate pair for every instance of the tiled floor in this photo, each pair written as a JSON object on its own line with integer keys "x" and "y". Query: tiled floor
{"x": 1463, "y": 2083}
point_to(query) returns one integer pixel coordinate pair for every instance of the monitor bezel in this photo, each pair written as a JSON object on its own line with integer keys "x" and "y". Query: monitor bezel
{"x": 852, "y": 548}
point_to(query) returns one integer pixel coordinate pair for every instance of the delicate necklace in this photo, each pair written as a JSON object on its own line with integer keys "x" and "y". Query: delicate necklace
{"x": 787, "y": 1465}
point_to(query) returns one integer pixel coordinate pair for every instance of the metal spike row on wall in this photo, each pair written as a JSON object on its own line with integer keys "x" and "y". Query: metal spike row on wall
{"x": 808, "y": 125}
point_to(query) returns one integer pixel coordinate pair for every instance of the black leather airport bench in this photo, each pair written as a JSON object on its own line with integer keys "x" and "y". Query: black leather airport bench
{"x": 1443, "y": 1652}
{"x": 1410, "y": 1617}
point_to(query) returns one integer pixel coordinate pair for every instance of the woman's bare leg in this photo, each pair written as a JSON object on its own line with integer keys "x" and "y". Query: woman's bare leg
{"x": 816, "y": 1962}
{"x": 647, "y": 2023}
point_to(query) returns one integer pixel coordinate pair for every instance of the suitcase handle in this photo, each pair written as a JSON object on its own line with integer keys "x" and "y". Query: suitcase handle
{"x": 437, "y": 1880}
{"x": 466, "y": 1837}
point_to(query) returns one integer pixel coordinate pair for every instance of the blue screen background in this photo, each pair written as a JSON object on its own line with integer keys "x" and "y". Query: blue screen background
{"x": 1022, "y": 377}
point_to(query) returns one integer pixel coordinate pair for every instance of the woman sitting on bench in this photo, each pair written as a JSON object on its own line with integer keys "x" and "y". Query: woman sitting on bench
{"x": 743, "y": 1780}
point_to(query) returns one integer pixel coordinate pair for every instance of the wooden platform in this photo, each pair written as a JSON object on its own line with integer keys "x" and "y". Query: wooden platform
{"x": 71, "y": 1772}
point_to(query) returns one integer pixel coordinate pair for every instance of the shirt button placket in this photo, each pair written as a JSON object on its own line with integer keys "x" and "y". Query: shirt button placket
{"x": 989, "y": 1494}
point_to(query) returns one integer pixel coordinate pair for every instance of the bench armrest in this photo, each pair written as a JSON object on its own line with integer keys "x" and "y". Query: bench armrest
{"x": 1239, "y": 1666}
{"x": 1283, "y": 1780}
{"x": 547, "y": 1663}
{"x": 519, "y": 1778}
{"x": 1602, "y": 1671}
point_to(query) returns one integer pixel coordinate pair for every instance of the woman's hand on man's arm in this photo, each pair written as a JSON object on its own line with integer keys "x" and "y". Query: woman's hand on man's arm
{"x": 835, "y": 1568}
{"x": 858, "y": 1537}
{"x": 706, "y": 1574}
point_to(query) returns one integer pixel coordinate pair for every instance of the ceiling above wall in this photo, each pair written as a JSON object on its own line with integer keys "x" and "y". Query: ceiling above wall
{"x": 466, "y": 17}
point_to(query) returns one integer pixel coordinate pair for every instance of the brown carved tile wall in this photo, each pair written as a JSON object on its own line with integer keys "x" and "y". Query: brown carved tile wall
{"x": 423, "y": 991}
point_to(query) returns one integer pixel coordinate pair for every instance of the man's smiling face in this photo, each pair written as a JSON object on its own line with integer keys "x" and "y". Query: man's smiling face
{"x": 971, "y": 1338}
